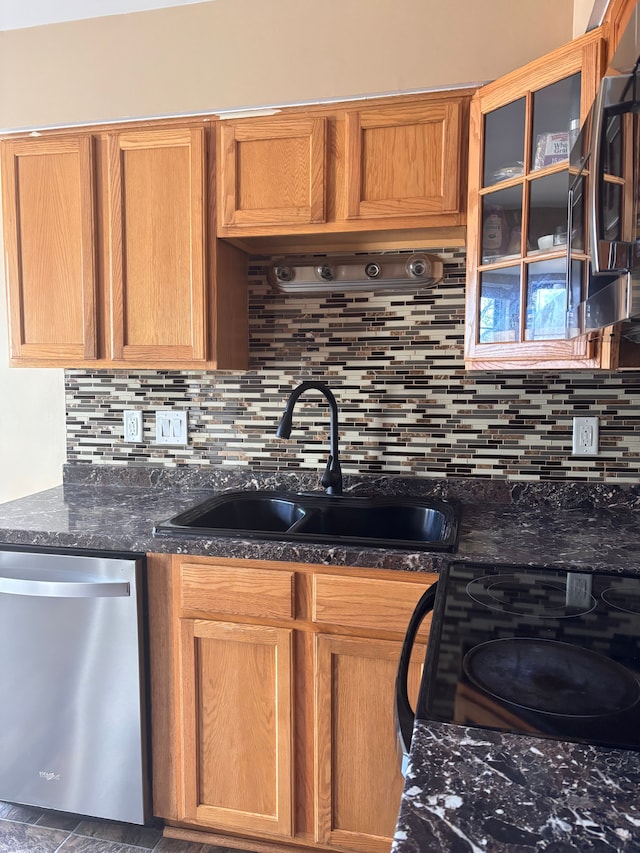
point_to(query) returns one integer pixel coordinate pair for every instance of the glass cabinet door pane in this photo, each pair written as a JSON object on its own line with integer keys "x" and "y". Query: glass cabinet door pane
{"x": 501, "y": 224}
{"x": 548, "y": 213}
{"x": 546, "y": 300}
{"x": 504, "y": 143}
{"x": 556, "y": 122}
{"x": 500, "y": 305}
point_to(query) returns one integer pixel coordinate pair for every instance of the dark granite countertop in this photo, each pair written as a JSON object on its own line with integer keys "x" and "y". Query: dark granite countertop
{"x": 470, "y": 790}
{"x": 105, "y": 508}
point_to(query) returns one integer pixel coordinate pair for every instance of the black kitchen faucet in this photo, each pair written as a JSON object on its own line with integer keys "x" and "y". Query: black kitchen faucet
{"x": 332, "y": 477}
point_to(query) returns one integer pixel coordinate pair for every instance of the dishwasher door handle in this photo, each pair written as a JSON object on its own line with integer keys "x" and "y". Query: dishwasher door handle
{"x": 64, "y": 589}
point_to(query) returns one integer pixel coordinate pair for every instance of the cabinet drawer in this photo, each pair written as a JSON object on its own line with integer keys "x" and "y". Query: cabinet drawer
{"x": 211, "y": 589}
{"x": 370, "y": 603}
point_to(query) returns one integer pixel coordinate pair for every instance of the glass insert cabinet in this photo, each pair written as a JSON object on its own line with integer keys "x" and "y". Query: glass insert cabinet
{"x": 522, "y": 129}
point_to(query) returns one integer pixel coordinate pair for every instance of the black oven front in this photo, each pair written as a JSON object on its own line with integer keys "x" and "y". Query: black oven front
{"x": 536, "y": 651}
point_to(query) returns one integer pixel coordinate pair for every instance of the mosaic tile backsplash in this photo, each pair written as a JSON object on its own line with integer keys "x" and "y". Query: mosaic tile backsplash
{"x": 407, "y": 406}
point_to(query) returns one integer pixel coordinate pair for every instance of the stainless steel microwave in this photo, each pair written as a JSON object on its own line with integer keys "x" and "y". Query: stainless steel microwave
{"x": 604, "y": 200}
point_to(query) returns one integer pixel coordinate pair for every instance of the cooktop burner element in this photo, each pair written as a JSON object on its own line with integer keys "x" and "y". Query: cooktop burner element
{"x": 625, "y": 597}
{"x": 524, "y": 596}
{"x": 534, "y": 650}
{"x": 551, "y": 677}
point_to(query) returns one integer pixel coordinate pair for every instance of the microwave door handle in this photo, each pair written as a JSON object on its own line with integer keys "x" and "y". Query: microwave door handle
{"x": 569, "y": 306}
{"x": 404, "y": 714}
{"x": 594, "y": 196}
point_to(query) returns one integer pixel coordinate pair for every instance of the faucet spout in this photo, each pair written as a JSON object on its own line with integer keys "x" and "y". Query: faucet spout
{"x": 332, "y": 477}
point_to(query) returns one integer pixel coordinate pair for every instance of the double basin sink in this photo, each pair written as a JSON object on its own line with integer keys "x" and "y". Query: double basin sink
{"x": 377, "y": 522}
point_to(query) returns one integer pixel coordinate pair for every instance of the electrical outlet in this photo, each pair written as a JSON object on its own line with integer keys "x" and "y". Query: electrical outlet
{"x": 132, "y": 420}
{"x": 578, "y": 591}
{"x": 171, "y": 427}
{"x": 585, "y": 437}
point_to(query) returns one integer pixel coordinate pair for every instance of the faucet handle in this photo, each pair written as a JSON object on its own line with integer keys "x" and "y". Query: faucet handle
{"x": 332, "y": 477}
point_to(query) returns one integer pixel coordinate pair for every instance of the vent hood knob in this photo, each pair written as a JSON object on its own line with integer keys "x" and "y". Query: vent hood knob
{"x": 373, "y": 270}
{"x": 418, "y": 266}
{"x": 284, "y": 273}
{"x": 325, "y": 272}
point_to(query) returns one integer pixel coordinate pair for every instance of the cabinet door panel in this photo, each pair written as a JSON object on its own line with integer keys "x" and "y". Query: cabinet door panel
{"x": 518, "y": 187}
{"x": 272, "y": 172}
{"x": 235, "y": 721}
{"x": 404, "y": 160}
{"x": 358, "y": 778}
{"x": 49, "y": 214}
{"x": 157, "y": 247}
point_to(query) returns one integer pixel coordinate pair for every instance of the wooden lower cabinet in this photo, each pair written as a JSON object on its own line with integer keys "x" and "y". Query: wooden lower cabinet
{"x": 236, "y": 713}
{"x": 358, "y": 779}
{"x": 272, "y": 701}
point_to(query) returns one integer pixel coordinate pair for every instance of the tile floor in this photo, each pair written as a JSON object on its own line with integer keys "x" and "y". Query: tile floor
{"x": 24, "y": 829}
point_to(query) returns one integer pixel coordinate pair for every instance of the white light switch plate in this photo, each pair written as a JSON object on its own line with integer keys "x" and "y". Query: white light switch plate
{"x": 171, "y": 428}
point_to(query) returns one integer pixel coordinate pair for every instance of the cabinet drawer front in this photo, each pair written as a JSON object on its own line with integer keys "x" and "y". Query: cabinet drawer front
{"x": 378, "y": 605}
{"x": 235, "y": 591}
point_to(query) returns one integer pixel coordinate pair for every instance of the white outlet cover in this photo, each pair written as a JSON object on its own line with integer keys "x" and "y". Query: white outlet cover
{"x": 132, "y": 423}
{"x": 171, "y": 428}
{"x": 586, "y": 436}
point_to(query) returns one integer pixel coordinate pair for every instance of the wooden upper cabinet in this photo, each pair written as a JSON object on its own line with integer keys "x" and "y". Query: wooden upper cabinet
{"x": 49, "y": 227}
{"x": 271, "y": 172}
{"x": 404, "y": 161}
{"x": 327, "y": 177}
{"x": 157, "y": 245}
{"x": 616, "y": 18}
{"x": 112, "y": 258}
{"x": 521, "y": 129}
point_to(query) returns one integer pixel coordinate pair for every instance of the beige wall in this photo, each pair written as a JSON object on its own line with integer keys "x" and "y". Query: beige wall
{"x": 581, "y": 13}
{"x": 229, "y": 54}
{"x": 32, "y": 424}
{"x": 238, "y": 53}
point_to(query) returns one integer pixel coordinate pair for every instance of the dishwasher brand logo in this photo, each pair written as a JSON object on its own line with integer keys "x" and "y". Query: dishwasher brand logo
{"x": 49, "y": 776}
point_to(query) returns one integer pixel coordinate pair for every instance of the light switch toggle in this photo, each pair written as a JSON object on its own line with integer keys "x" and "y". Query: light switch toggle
{"x": 171, "y": 428}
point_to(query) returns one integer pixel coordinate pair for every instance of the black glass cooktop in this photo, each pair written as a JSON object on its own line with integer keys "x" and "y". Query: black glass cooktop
{"x": 538, "y": 651}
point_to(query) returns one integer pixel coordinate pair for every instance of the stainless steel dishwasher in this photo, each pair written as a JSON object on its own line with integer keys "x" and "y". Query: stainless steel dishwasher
{"x": 72, "y": 691}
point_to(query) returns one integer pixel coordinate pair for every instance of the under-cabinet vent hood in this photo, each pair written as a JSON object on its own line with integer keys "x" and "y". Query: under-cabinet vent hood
{"x": 397, "y": 271}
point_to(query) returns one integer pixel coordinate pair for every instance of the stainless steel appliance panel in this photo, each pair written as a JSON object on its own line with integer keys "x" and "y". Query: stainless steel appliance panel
{"x": 72, "y": 733}
{"x": 604, "y": 201}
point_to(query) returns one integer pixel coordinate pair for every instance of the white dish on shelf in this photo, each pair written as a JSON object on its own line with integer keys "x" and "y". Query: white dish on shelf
{"x": 545, "y": 242}
{"x": 513, "y": 170}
